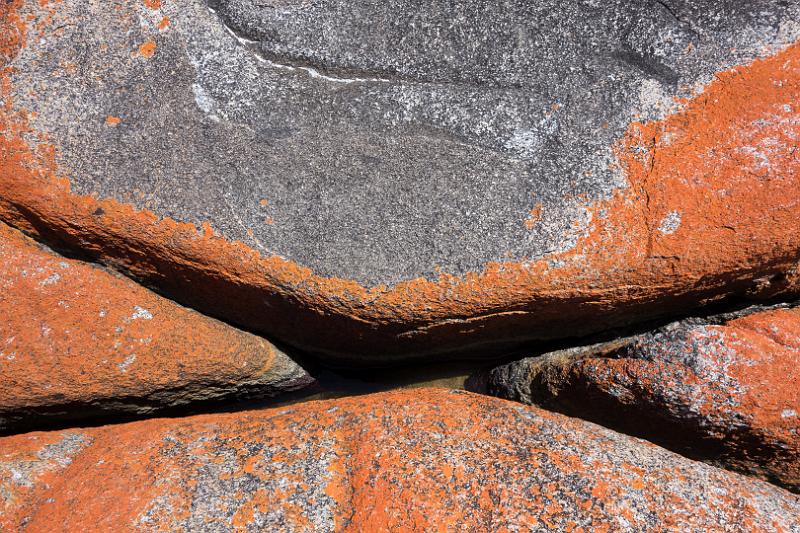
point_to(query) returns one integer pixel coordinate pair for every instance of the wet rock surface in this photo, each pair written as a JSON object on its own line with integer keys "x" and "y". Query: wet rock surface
{"x": 457, "y": 190}
{"x": 78, "y": 342}
{"x": 726, "y": 391}
{"x": 397, "y": 461}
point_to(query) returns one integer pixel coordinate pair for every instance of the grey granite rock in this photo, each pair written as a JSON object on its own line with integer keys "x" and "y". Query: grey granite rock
{"x": 377, "y": 143}
{"x": 386, "y": 462}
{"x": 389, "y": 139}
{"x": 723, "y": 389}
{"x": 78, "y": 344}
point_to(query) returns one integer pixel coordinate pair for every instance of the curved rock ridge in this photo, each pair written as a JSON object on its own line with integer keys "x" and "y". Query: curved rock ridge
{"x": 725, "y": 391}
{"x": 423, "y": 461}
{"x": 78, "y": 342}
{"x": 614, "y": 163}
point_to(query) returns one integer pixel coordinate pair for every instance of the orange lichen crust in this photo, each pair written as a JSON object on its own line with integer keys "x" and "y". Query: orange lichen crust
{"x": 147, "y": 49}
{"x": 12, "y": 38}
{"x": 72, "y": 334}
{"x": 711, "y": 206}
{"x": 401, "y": 461}
{"x": 727, "y": 393}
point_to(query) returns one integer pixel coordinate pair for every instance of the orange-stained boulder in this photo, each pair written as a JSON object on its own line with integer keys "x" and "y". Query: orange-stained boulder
{"x": 77, "y": 341}
{"x": 726, "y": 390}
{"x": 571, "y": 166}
{"x": 432, "y": 460}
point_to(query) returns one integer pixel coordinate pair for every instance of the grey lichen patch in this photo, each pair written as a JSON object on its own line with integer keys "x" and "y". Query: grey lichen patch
{"x": 392, "y": 140}
{"x": 655, "y": 100}
{"x": 25, "y": 473}
{"x": 50, "y": 280}
{"x": 141, "y": 313}
{"x": 707, "y": 355}
{"x": 64, "y": 451}
{"x": 239, "y": 470}
{"x": 670, "y": 223}
{"x": 123, "y": 366}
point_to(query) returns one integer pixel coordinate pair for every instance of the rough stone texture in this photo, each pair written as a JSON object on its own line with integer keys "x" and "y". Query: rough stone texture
{"x": 76, "y": 341}
{"x": 725, "y": 392}
{"x": 403, "y": 180}
{"x": 424, "y": 461}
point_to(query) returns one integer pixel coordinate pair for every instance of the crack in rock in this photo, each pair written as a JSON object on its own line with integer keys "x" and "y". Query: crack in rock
{"x": 272, "y": 60}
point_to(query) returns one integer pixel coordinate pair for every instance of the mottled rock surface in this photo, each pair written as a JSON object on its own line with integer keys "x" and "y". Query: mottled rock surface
{"x": 405, "y": 180}
{"x": 725, "y": 391}
{"x": 77, "y": 341}
{"x": 424, "y": 461}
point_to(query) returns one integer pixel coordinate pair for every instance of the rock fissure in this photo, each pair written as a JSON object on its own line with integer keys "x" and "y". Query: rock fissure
{"x": 721, "y": 389}
{"x": 673, "y": 13}
{"x": 343, "y": 382}
{"x": 342, "y": 74}
{"x": 579, "y": 205}
{"x": 293, "y": 64}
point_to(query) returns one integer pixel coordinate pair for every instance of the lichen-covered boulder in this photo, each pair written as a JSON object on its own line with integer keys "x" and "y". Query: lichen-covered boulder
{"x": 432, "y": 460}
{"x": 725, "y": 390}
{"x": 78, "y": 342}
{"x": 407, "y": 179}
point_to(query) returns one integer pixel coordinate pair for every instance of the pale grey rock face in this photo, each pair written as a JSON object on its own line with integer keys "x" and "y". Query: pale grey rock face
{"x": 375, "y": 141}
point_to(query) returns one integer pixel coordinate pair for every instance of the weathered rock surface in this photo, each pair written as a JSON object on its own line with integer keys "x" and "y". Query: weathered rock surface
{"x": 727, "y": 392}
{"x": 76, "y": 342}
{"x": 404, "y": 180}
{"x": 424, "y": 461}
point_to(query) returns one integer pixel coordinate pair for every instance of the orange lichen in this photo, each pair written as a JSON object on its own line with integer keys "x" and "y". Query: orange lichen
{"x": 699, "y": 175}
{"x": 12, "y": 38}
{"x": 111, "y": 120}
{"x": 163, "y": 23}
{"x": 371, "y": 463}
{"x": 725, "y": 393}
{"x": 74, "y": 333}
{"x": 153, "y": 4}
{"x": 69, "y": 67}
{"x": 766, "y": 367}
{"x": 534, "y": 216}
{"x": 147, "y": 49}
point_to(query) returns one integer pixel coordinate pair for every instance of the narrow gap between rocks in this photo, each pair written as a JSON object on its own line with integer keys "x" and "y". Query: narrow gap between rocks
{"x": 452, "y": 371}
